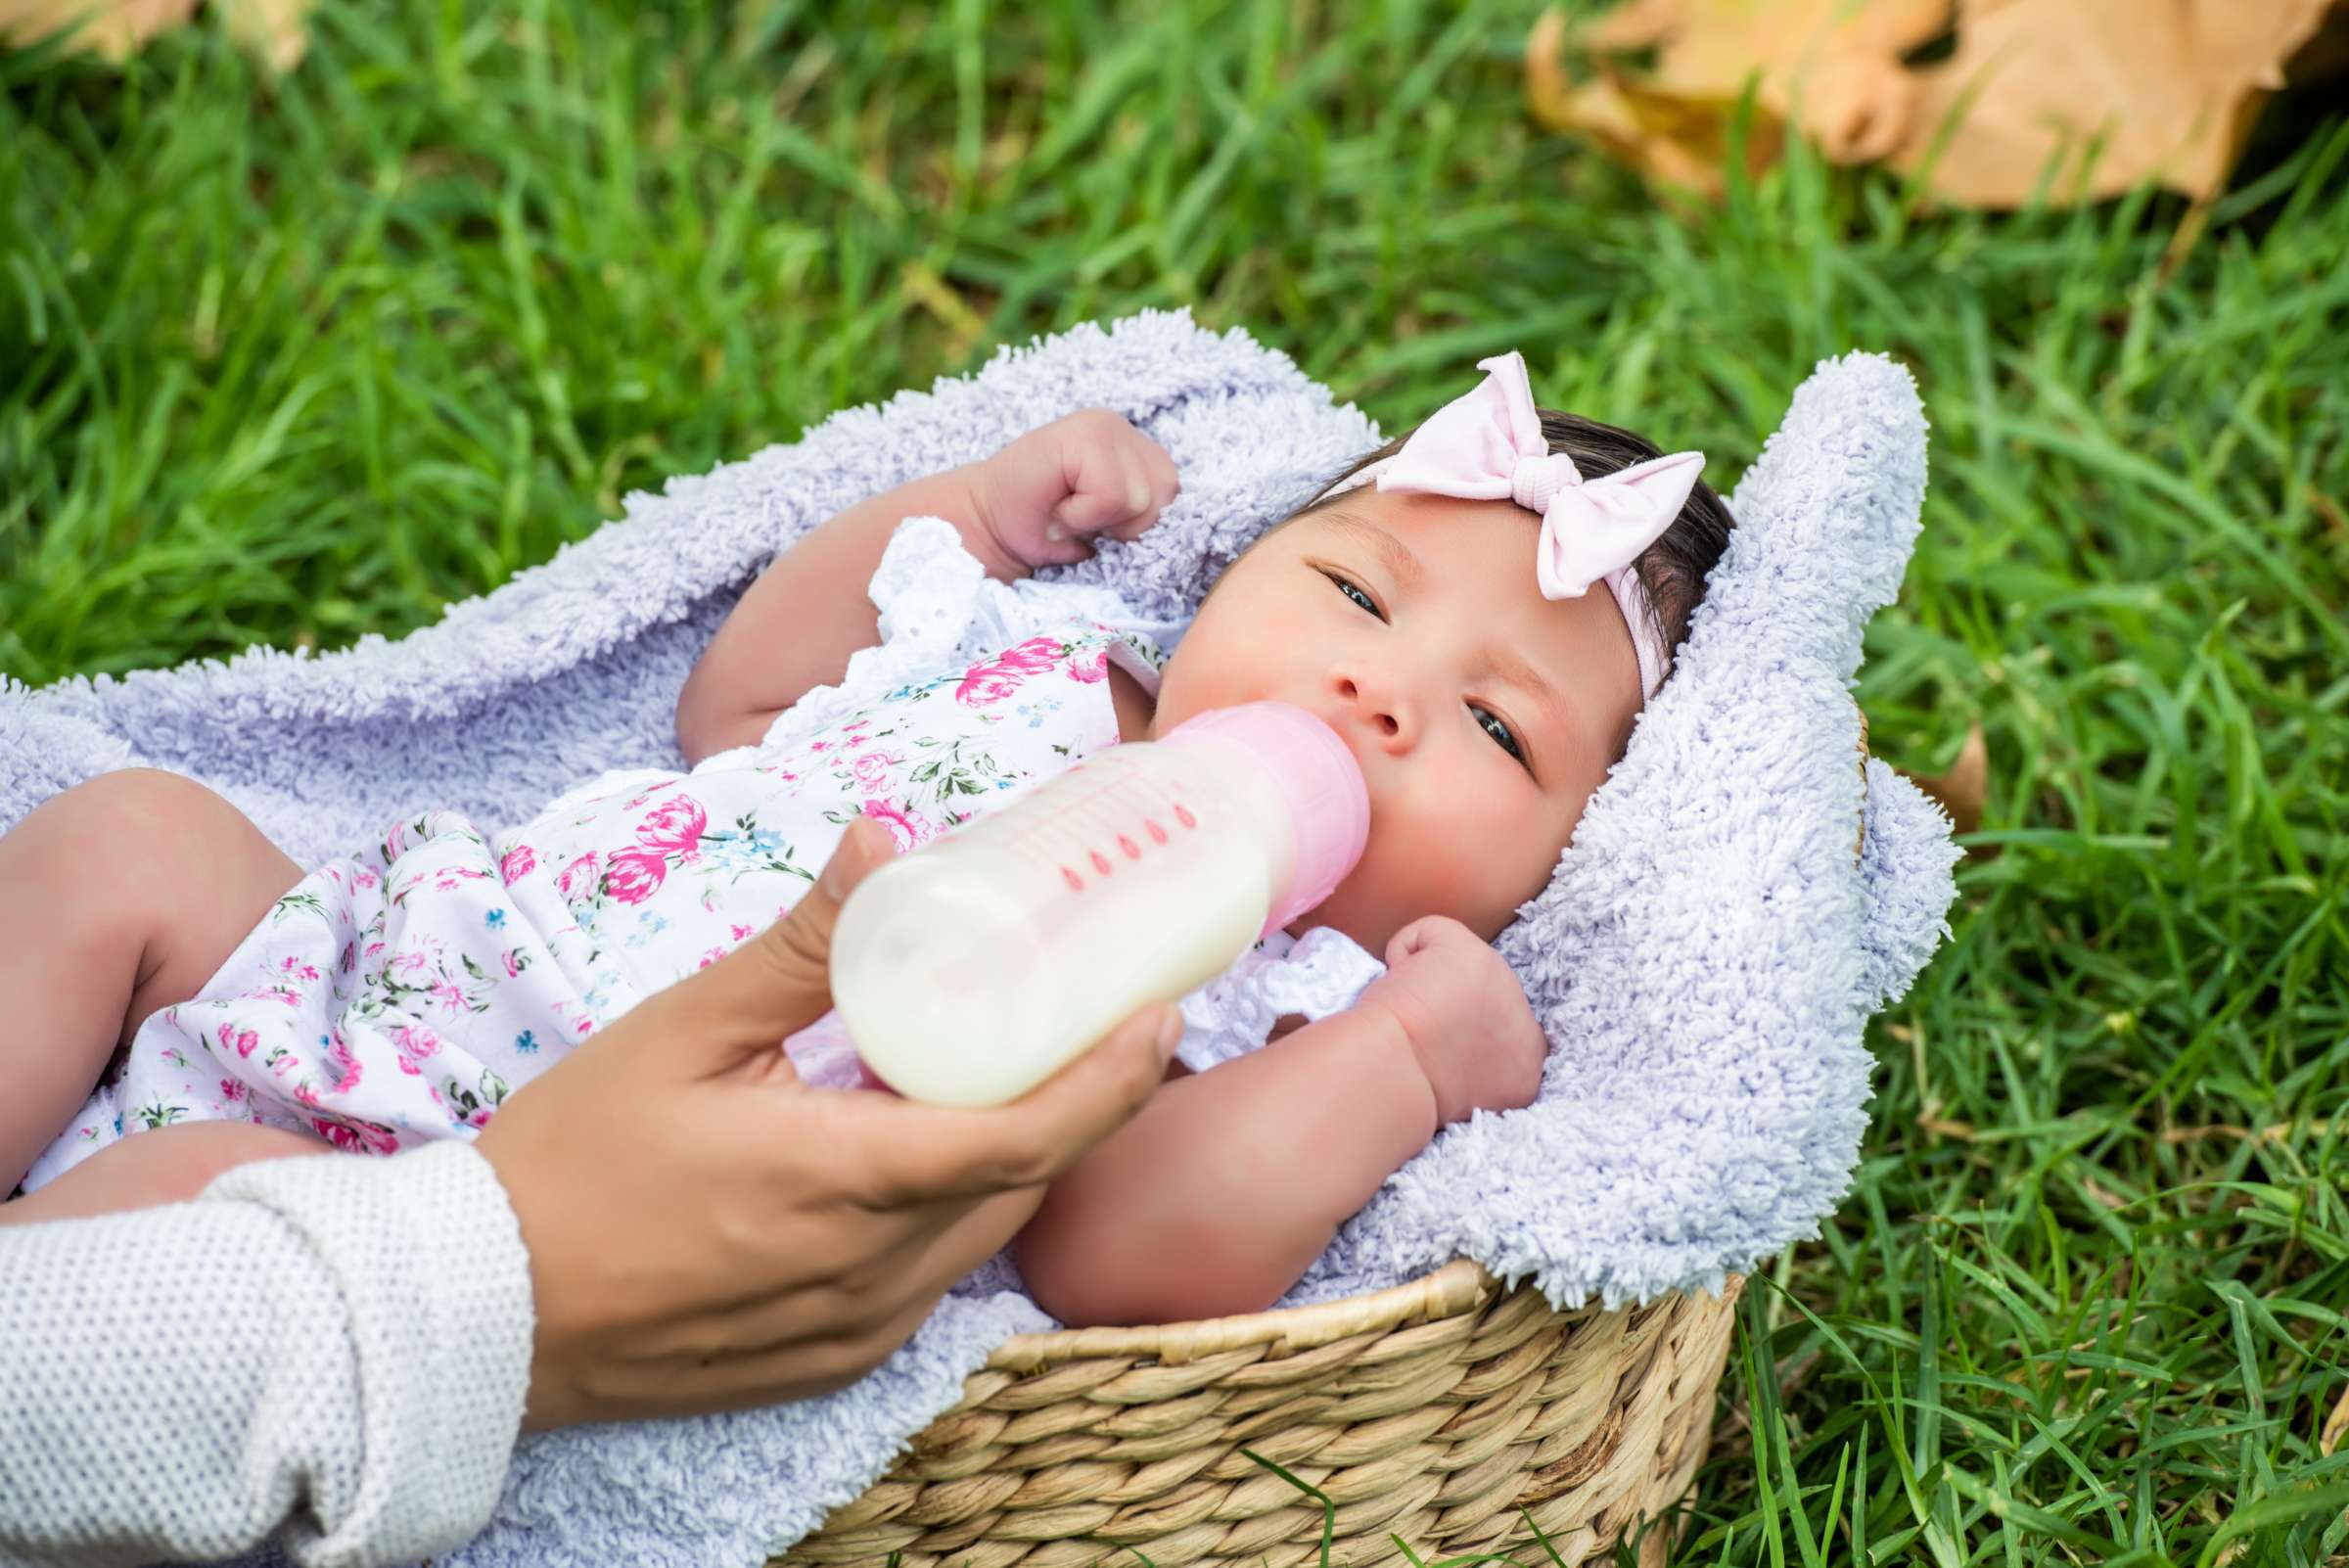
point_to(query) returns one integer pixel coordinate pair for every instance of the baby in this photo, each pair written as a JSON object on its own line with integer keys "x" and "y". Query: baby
{"x": 901, "y": 663}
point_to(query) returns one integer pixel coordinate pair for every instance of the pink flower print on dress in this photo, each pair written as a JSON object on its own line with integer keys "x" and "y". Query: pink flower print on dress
{"x": 239, "y": 1040}
{"x": 872, "y": 770}
{"x": 674, "y": 825}
{"x": 1001, "y": 677}
{"x": 363, "y": 1138}
{"x": 987, "y": 686}
{"x": 579, "y": 876}
{"x": 341, "y": 1054}
{"x": 741, "y": 933}
{"x": 519, "y": 862}
{"x": 909, "y": 828}
{"x": 231, "y": 1089}
{"x": 635, "y": 874}
{"x": 711, "y": 957}
{"x": 1033, "y": 657}
{"x": 414, "y": 1043}
{"x": 1086, "y": 669}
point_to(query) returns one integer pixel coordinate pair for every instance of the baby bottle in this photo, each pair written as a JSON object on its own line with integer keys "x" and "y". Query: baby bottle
{"x": 972, "y": 969}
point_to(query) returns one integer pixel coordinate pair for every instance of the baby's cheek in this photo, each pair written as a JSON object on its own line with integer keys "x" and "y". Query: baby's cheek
{"x": 1478, "y": 870}
{"x": 1422, "y": 868}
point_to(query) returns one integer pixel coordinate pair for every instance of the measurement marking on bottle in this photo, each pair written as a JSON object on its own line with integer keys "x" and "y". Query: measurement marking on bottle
{"x": 1100, "y": 863}
{"x": 1076, "y": 883}
{"x": 1183, "y": 815}
{"x": 1133, "y": 851}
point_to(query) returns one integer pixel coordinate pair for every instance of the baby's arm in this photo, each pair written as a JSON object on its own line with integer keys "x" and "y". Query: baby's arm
{"x": 1230, "y": 1182}
{"x": 1031, "y": 504}
{"x": 1219, "y": 1195}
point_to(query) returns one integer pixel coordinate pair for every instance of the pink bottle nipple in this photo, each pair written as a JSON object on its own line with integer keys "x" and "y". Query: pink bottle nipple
{"x": 1318, "y": 781}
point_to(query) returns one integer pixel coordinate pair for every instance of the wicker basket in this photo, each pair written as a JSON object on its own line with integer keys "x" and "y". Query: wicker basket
{"x": 1433, "y": 1411}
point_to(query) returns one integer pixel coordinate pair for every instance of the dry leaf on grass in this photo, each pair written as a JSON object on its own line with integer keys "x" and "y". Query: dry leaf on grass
{"x": 271, "y": 30}
{"x": 2334, "y": 1425}
{"x": 2109, "y": 92}
{"x": 2156, "y": 89}
{"x": 1962, "y": 789}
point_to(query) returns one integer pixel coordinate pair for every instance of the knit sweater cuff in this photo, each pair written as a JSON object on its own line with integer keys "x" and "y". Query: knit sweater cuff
{"x": 425, "y": 1251}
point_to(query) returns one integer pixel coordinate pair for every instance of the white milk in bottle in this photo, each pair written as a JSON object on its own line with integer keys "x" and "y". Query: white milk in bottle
{"x": 975, "y": 967}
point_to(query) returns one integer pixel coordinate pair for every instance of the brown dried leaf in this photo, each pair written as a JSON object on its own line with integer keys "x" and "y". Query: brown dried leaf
{"x": 2334, "y": 1425}
{"x": 2119, "y": 91}
{"x": 1962, "y": 790}
{"x": 1663, "y": 137}
{"x": 1833, "y": 63}
{"x": 272, "y": 30}
{"x": 2161, "y": 89}
{"x": 113, "y": 29}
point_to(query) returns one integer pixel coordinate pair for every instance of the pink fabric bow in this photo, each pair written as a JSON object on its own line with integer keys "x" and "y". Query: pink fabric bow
{"x": 1487, "y": 446}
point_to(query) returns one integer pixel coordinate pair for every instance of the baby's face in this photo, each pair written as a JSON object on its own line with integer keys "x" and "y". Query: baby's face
{"x": 1483, "y": 714}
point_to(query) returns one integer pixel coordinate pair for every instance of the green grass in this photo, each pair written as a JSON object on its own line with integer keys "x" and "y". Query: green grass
{"x": 293, "y": 363}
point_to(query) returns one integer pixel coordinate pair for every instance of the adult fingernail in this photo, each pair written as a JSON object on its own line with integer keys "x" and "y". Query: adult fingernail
{"x": 835, "y": 878}
{"x": 1170, "y": 1034}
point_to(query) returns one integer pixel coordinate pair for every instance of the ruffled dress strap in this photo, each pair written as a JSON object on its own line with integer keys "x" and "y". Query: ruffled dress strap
{"x": 1313, "y": 976}
{"x": 939, "y": 611}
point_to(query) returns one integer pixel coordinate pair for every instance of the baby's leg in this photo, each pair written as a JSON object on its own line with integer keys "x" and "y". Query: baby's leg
{"x": 169, "y": 1164}
{"x": 118, "y": 897}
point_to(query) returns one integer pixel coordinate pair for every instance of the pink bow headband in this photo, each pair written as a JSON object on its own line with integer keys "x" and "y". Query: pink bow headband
{"x": 1487, "y": 446}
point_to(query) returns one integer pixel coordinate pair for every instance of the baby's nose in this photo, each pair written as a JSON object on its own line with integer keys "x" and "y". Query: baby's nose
{"x": 1377, "y": 705}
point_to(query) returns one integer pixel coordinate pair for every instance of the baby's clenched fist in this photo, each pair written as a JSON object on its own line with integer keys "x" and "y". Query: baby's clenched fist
{"x": 1464, "y": 1012}
{"x": 1046, "y": 497}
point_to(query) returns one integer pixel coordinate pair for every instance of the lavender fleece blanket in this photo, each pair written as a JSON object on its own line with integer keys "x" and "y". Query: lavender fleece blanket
{"x": 1704, "y": 961}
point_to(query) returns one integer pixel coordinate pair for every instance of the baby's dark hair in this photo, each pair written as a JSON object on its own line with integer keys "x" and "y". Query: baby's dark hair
{"x": 1671, "y": 570}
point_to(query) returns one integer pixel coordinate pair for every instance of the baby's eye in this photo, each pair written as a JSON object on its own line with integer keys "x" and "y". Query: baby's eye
{"x": 1356, "y": 594}
{"x": 1498, "y": 728}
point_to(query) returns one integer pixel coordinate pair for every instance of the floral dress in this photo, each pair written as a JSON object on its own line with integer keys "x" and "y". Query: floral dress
{"x": 401, "y": 995}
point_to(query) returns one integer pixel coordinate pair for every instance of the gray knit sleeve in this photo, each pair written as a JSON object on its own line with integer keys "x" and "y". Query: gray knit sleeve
{"x": 332, "y": 1348}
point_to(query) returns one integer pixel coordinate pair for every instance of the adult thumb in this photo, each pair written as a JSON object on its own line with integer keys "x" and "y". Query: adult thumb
{"x": 776, "y": 984}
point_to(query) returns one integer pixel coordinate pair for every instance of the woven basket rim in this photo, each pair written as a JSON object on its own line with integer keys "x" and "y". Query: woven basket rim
{"x": 1459, "y": 1286}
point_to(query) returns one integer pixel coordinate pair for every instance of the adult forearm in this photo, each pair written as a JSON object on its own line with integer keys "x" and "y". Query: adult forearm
{"x": 1230, "y": 1183}
{"x": 338, "y": 1349}
{"x": 795, "y": 628}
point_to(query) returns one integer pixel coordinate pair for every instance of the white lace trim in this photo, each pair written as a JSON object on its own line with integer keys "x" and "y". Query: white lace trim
{"x": 940, "y": 610}
{"x": 1315, "y": 975}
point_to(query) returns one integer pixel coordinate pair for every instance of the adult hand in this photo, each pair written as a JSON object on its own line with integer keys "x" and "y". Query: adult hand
{"x": 706, "y": 1233}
